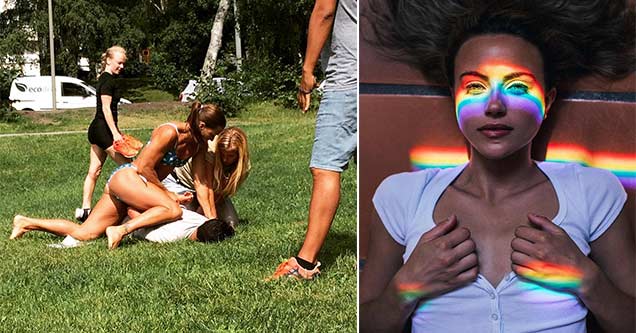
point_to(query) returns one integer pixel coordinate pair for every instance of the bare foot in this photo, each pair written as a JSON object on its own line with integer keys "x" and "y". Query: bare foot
{"x": 115, "y": 234}
{"x": 19, "y": 227}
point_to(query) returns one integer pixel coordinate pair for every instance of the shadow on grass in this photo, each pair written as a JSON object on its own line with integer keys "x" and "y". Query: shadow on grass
{"x": 338, "y": 244}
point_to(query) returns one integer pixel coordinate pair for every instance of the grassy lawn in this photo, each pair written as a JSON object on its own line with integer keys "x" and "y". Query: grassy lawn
{"x": 183, "y": 286}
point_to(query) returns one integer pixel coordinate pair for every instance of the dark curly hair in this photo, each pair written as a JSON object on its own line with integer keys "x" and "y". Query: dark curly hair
{"x": 214, "y": 230}
{"x": 575, "y": 37}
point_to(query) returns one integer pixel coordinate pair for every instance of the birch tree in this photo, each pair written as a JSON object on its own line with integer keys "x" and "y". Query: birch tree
{"x": 215, "y": 39}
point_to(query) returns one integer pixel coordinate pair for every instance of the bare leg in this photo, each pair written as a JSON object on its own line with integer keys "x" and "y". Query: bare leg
{"x": 325, "y": 197}
{"x": 107, "y": 212}
{"x": 157, "y": 206}
{"x": 117, "y": 157}
{"x": 97, "y": 158}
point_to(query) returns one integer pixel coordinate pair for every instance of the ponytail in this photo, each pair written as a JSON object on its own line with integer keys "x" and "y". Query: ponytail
{"x": 210, "y": 114}
{"x": 193, "y": 121}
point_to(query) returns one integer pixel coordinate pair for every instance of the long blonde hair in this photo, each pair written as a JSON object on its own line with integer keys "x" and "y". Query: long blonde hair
{"x": 109, "y": 54}
{"x": 224, "y": 185}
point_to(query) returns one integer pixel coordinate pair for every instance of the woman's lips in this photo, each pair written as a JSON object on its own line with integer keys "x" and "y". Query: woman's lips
{"x": 495, "y": 131}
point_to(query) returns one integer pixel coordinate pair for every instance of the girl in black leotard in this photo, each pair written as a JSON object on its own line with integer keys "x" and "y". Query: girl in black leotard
{"x": 103, "y": 129}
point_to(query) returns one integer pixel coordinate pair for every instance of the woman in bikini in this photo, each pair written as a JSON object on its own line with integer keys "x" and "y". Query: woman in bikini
{"x": 503, "y": 243}
{"x": 138, "y": 184}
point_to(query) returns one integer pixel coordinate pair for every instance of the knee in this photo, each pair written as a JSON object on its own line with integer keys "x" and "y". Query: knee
{"x": 324, "y": 174}
{"x": 84, "y": 235}
{"x": 174, "y": 211}
{"x": 325, "y": 177}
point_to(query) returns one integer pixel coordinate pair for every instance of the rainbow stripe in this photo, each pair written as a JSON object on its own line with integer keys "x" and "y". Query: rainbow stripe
{"x": 559, "y": 277}
{"x": 621, "y": 165}
{"x": 520, "y": 92}
{"x": 425, "y": 157}
{"x": 409, "y": 292}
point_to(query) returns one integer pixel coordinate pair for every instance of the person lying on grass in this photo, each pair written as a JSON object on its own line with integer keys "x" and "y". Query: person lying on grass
{"x": 138, "y": 184}
{"x": 228, "y": 154}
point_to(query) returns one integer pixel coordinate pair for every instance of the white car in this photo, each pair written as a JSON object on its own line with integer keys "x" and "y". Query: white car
{"x": 189, "y": 92}
{"x": 33, "y": 93}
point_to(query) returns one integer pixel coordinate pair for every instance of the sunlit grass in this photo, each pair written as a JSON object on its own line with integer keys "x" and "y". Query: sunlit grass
{"x": 183, "y": 286}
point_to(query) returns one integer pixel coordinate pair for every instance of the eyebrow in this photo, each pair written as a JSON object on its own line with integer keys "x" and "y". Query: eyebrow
{"x": 506, "y": 78}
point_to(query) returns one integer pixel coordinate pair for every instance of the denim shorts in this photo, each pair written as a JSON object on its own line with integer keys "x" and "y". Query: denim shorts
{"x": 336, "y": 137}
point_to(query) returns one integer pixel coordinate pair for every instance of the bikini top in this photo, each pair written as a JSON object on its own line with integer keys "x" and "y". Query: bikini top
{"x": 170, "y": 158}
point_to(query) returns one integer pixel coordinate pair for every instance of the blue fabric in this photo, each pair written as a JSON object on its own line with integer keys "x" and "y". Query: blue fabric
{"x": 336, "y": 130}
{"x": 589, "y": 202}
{"x": 170, "y": 158}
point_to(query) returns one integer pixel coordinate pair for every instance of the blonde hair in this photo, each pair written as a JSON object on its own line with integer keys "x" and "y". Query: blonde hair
{"x": 231, "y": 138}
{"x": 109, "y": 54}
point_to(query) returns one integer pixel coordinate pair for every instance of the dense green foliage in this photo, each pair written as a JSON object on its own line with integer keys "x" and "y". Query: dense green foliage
{"x": 177, "y": 33}
{"x": 183, "y": 286}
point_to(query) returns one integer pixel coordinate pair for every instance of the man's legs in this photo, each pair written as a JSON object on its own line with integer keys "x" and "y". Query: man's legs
{"x": 334, "y": 144}
{"x": 325, "y": 196}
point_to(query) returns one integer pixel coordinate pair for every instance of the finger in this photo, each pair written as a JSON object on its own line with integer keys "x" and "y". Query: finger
{"x": 544, "y": 223}
{"x": 307, "y": 100}
{"x": 523, "y": 246}
{"x": 465, "y": 263}
{"x": 299, "y": 98}
{"x": 530, "y": 234}
{"x": 465, "y": 248}
{"x": 522, "y": 259}
{"x": 454, "y": 238}
{"x": 440, "y": 229}
{"x": 523, "y": 270}
{"x": 465, "y": 277}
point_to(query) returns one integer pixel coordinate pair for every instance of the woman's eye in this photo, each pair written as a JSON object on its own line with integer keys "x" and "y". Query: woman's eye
{"x": 518, "y": 88}
{"x": 475, "y": 88}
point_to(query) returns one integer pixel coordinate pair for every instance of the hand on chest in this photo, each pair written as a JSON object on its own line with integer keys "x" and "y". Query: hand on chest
{"x": 492, "y": 225}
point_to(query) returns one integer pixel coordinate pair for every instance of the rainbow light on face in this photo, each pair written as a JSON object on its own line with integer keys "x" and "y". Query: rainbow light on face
{"x": 471, "y": 101}
{"x": 560, "y": 277}
{"x": 621, "y": 165}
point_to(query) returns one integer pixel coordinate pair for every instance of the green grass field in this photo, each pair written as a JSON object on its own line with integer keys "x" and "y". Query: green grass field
{"x": 183, "y": 286}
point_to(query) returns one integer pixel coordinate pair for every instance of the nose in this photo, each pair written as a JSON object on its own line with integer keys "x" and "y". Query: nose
{"x": 496, "y": 107}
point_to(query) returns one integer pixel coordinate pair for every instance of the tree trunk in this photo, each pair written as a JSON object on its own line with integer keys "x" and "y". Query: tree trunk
{"x": 215, "y": 39}
{"x": 237, "y": 37}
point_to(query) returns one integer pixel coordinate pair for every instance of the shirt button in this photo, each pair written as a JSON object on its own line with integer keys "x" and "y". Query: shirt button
{"x": 492, "y": 295}
{"x": 494, "y": 317}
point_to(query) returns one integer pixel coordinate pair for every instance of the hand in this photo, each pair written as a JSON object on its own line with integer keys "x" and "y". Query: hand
{"x": 544, "y": 253}
{"x": 117, "y": 137}
{"x": 443, "y": 259}
{"x": 185, "y": 198}
{"x": 307, "y": 84}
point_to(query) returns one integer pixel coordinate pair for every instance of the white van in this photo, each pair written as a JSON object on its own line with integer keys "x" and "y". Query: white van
{"x": 33, "y": 93}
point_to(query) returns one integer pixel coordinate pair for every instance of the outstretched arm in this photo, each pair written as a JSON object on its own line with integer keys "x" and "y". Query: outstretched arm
{"x": 320, "y": 24}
